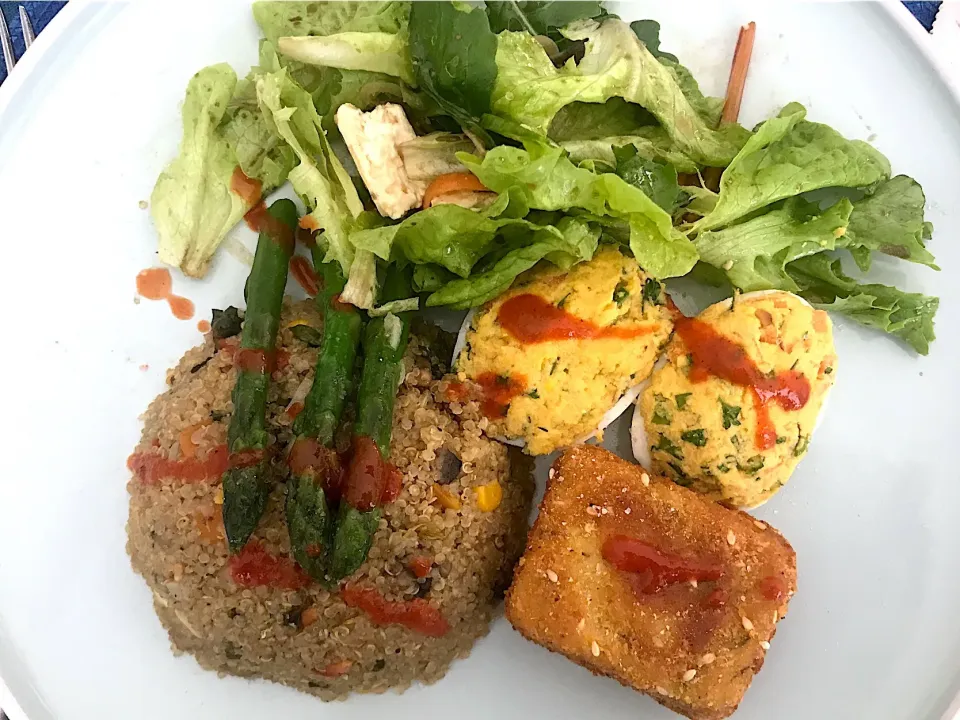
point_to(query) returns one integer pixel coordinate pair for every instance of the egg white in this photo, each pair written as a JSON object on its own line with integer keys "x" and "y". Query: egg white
{"x": 639, "y": 439}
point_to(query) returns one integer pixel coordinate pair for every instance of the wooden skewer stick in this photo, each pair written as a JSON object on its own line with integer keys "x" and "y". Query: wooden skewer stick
{"x": 735, "y": 86}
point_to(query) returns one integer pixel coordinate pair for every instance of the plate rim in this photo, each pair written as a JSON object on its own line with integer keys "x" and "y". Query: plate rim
{"x": 25, "y": 86}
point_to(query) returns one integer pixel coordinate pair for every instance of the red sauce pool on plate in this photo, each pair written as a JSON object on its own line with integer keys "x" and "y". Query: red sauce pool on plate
{"x": 156, "y": 284}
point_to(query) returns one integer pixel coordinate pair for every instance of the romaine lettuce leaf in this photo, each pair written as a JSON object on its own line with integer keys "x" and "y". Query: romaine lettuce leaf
{"x": 321, "y": 180}
{"x": 754, "y": 253}
{"x": 379, "y": 52}
{"x": 192, "y": 204}
{"x": 616, "y": 64}
{"x": 908, "y": 316}
{"x": 789, "y": 155}
{"x": 281, "y": 19}
{"x": 571, "y": 241}
{"x": 546, "y": 179}
{"x": 650, "y": 142}
{"x": 447, "y": 235}
{"x": 890, "y": 221}
{"x": 593, "y": 121}
{"x": 330, "y": 86}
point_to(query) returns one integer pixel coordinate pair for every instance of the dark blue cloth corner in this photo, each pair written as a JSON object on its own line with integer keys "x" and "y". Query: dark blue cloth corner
{"x": 40, "y": 14}
{"x": 925, "y": 12}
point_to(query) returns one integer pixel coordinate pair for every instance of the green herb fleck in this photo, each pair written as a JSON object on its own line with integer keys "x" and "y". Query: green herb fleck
{"x": 563, "y": 300}
{"x": 661, "y": 414}
{"x": 723, "y": 467}
{"x": 683, "y": 480}
{"x": 781, "y": 439}
{"x": 553, "y": 368}
{"x": 751, "y": 465}
{"x": 681, "y": 400}
{"x": 827, "y": 371}
{"x": 731, "y": 414}
{"x": 620, "y": 293}
{"x": 533, "y": 394}
{"x": 696, "y": 437}
{"x": 803, "y": 442}
{"x": 652, "y": 291}
{"x": 667, "y": 446}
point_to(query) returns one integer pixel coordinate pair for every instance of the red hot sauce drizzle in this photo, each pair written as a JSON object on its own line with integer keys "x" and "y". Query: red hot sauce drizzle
{"x": 714, "y": 354}
{"x": 532, "y": 319}
{"x": 246, "y": 188}
{"x": 417, "y": 615}
{"x": 259, "y": 219}
{"x": 498, "y": 391}
{"x": 254, "y": 566}
{"x": 369, "y": 482}
{"x": 256, "y": 361}
{"x": 150, "y": 468}
{"x": 650, "y": 570}
{"x": 302, "y": 271}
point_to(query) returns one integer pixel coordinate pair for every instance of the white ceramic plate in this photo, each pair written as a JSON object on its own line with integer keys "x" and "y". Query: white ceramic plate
{"x": 85, "y": 126}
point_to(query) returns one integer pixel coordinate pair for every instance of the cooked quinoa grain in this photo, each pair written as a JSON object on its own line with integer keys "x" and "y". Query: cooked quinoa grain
{"x": 293, "y": 631}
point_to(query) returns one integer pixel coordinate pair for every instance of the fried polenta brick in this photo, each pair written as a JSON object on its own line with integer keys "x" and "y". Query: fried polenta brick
{"x": 639, "y": 579}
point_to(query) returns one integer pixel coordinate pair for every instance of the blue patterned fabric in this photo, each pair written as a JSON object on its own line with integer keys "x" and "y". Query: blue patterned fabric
{"x": 40, "y": 14}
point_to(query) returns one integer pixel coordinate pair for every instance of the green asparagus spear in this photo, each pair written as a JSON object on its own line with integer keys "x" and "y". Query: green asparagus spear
{"x": 384, "y": 343}
{"x": 312, "y": 457}
{"x": 245, "y": 484}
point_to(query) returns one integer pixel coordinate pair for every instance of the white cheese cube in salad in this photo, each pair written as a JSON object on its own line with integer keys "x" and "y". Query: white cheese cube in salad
{"x": 372, "y": 139}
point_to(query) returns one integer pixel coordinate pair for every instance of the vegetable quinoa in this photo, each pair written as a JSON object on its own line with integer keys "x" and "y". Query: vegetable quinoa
{"x": 434, "y": 573}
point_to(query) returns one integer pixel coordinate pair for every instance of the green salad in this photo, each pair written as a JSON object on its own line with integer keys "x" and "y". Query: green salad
{"x": 489, "y": 137}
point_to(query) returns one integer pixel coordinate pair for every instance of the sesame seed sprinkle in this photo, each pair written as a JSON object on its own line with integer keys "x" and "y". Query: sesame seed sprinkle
{"x": 551, "y": 473}
{"x": 731, "y": 538}
{"x": 645, "y": 479}
{"x": 662, "y": 690}
{"x": 728, "y": 264}
{"x": 595, "y": 649}
{"x": 626, "y": 511}
{"x": 761, "y": 525}
{"x": 747, "y": 624}
{"x": 689, "y": 675}
{"x": 552, "y": 576}
{"x": 707, "y": 659}
{"x": 581, "y": 625}
{"x": 764, "y": 644}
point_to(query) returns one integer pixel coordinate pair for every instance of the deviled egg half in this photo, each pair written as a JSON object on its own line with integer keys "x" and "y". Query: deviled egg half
{"x": 561, "y": 354}
{"x": 731, "y": 412}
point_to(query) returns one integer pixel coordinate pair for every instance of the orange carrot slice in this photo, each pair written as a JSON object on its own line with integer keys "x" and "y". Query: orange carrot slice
{"x": 451, "y": 182}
